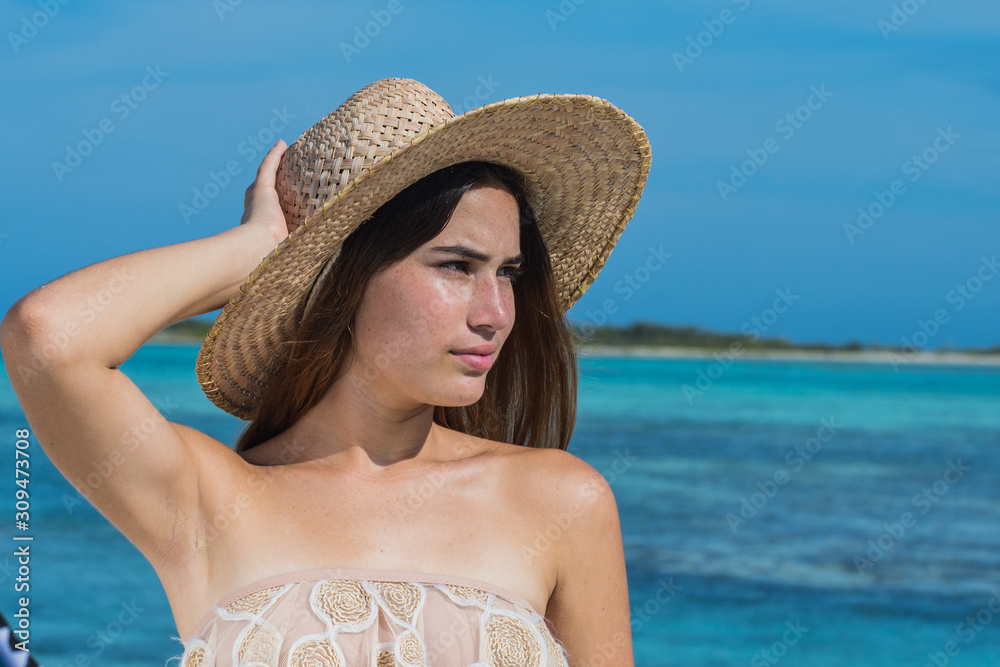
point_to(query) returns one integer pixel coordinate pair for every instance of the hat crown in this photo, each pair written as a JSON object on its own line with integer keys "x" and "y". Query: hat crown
{"x": 583, "y": 161}
{"x": 372, "y": 123}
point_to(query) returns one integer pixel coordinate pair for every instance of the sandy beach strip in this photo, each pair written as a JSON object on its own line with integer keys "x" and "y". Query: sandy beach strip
{"x": 665, "y": 352}
{"x": 840, "y": 356}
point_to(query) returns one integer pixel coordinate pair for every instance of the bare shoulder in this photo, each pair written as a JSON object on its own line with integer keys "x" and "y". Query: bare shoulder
{"x": 564, "y": 480}
{"x": 548, "y": 481}
{"x": 588, "y": 606}
{"x": 567, "y": 498}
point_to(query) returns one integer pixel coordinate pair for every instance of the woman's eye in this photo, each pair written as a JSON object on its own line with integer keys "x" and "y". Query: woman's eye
{"x": 513, "y": 272}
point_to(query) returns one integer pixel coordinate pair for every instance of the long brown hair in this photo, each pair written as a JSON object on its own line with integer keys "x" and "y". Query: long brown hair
{"x": 531, "y": 390}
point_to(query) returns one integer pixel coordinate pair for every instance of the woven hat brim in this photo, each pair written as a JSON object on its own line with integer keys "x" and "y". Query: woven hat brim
{"x": 584, "y": 162}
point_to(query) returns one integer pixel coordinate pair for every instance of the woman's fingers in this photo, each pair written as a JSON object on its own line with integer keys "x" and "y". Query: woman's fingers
{"x": 269, "y": 166}
{"x": 260, "y": 203}
{"x": 261, "y": 194}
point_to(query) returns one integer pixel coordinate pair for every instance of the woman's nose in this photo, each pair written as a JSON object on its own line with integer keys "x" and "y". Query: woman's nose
{"x": 493, "y": 303}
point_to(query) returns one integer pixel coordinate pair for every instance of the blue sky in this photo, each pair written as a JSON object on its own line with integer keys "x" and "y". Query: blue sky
{"x": 829, "y": 103}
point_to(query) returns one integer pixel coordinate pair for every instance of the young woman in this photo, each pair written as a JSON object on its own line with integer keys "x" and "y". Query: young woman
{"x": 402, "y": 494}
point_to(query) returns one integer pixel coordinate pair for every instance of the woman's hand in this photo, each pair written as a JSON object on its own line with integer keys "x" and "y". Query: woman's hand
{"x": 261, "y": 205}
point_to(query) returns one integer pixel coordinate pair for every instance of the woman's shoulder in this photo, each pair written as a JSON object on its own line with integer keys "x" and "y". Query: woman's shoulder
{"x": 547, "y": 459}
{"x": 560, "y": 477}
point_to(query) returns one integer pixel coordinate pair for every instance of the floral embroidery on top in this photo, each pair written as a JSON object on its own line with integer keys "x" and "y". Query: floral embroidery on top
{"x": 342, "y": 622}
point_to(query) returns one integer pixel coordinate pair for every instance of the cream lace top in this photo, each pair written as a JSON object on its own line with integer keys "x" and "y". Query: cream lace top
{"x": 350, "y": 618}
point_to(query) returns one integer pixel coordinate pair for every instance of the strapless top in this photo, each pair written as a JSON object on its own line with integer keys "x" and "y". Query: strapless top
{"x": 351, "y": 618}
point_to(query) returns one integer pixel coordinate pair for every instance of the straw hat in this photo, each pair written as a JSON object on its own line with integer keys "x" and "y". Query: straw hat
{"x": 583, "y": 160}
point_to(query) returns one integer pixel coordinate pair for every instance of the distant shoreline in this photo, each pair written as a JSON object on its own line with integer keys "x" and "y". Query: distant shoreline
{"x": 670, "y": 352}
{"x": 842, "y": 356}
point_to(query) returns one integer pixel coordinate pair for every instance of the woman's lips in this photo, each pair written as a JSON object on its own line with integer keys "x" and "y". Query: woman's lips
{"x": 481, "y": 362}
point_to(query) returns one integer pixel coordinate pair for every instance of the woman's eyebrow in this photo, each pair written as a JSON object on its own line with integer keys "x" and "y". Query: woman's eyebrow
{"x": 466, "y": 251}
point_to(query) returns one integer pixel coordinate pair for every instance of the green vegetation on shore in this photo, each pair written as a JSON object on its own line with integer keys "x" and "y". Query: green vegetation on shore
{"x": 648, "y": 334}
{"x": 184, "y": 331}
{"x": 637, "y": 334}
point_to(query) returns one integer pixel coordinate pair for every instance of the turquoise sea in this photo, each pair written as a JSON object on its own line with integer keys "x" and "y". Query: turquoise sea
{"x": 792, "y": 513}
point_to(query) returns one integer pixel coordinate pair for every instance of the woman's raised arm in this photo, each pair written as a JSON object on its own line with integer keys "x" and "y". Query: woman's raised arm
{"x": 106, "y": 311}
{"x": 63, "y": 342}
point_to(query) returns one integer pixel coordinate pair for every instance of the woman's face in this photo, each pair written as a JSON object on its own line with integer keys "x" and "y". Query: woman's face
{"x": 449, "y": 295}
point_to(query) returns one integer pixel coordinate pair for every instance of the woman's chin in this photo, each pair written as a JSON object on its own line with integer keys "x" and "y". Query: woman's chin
{"x": 466, "y": 394}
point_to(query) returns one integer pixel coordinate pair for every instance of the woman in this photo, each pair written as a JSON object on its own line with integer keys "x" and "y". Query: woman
{"x": 401, "y": 494}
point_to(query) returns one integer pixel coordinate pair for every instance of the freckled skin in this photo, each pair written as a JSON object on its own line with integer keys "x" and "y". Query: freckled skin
{"x": 377, "y": 417}
{"x": 364, "y": 478}
{"x": 417, "y": 310}
{"x": 334, "y": 488}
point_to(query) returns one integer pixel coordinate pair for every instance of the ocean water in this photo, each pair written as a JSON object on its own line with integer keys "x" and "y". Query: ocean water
{"x": 792, "y": 513}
